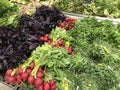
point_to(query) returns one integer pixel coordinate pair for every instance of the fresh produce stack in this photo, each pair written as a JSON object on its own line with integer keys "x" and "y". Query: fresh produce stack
{"x": 88, "y": 54}
{"x": 37, "y": 70}
{"x": 16, "y": 44}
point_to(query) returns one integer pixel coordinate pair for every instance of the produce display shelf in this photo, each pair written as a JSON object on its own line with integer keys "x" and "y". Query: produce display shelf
{"x": 78, "y": 16}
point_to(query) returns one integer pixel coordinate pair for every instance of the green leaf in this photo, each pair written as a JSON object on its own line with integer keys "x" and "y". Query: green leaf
{"x": 66, "y": 61}
{"x": 50, "y": 64}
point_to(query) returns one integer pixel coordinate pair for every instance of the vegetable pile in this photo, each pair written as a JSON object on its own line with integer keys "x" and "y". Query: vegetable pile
{"x": 93, "y": 61}
{"x": 42, "y": 64}
{"x": 68, "y": 24}
{"x": 16, "y": 44}
{"x": 25, "y": 76}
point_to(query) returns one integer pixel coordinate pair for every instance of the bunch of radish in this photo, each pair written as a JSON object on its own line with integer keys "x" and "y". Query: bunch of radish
{"x": 45, "y": 38}
{"x": 60, "y": 43}
{"x": 68, "y": 24}
{"x": 19, "y": 76}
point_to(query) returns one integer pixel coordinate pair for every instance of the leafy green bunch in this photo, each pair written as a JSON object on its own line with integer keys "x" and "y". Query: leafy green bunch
{"x": 8, "y": 13}
{"x": 6, "y": 8}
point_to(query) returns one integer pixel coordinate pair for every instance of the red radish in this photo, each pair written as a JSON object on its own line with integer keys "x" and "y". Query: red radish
{"x": 69, "y": 28}
{"x": 17, "y": 83}
{"x": 31, "y": 80}
{"x": 19, "y": 78}
{"x": 20, "y": 70}
{"x": 70, "y": 50}
{"x": 46, "y": 86}
{"x": 66, "y": 19}
{"x": 49, "y": 41}
{"x": 67, "y": 23}
{"x": 40, "y": 70}
{"x": 40, "y": 87}
{"x": 45, "y": 39}
{"x": 6, "y": 77}
{"x": 38, "y": 82}
{"x": 24, "y": 75}
{"x": 72, "y": 24}
{"x": 65, "y": 27}
{"x": 52, "y": 82}
{"x": 53, "y": 87}
{"x": 39, "y": 75}
{"x": 8, "y": 72}
{"x": 71, "y": 19}
{"x": 32, "y": 65}
{"x": 11, "y": 80}
{"x": 62, "y": 25}
{"x": 46, "y": 35}
{"x": 41, "y": 38}
{"x": 60, "y": 42}
{"x": 28, "y": 71}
